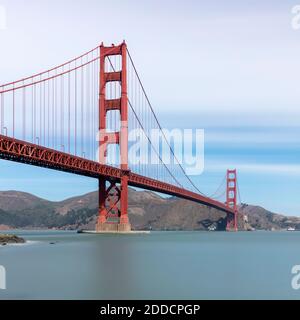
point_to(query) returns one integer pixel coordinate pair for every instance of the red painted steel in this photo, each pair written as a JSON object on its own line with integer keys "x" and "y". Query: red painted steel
{"x": 231, "y": 199}
{"x": 107, "y": 105}
{"x": 43, "y": 80}
{"x": 28, "y": 153}
{"x": 49, "y": 70}
{"x": 113, "y": 182}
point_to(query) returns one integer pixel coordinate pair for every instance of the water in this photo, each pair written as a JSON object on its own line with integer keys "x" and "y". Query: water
{"x": 160, "y": 265}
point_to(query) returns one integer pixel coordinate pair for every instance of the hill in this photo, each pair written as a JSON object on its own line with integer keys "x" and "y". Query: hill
{"x": 262, "y": 219}
{"x": 147, "y": 210}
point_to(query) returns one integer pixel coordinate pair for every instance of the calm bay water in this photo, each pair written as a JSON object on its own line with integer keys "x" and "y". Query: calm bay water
{"x": 160, "y": 265}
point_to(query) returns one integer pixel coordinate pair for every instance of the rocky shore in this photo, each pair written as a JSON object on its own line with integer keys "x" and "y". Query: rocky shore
{"x": 10, "y": 238}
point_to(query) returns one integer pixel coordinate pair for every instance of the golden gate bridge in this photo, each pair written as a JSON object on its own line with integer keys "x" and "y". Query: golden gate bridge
{"x": 51, "y": 119}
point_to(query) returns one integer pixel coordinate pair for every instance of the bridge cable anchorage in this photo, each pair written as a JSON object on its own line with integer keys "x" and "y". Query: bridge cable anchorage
{"x": 160, "y": 128}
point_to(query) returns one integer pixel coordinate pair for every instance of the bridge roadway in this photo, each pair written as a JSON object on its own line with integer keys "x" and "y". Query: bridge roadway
{"x": 32, "y": 154}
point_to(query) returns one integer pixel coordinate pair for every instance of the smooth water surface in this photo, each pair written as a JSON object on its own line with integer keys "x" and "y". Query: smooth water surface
{"x": 160, "y": 265}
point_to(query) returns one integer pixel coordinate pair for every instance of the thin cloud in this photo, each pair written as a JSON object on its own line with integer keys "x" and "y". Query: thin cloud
{"x": 266, "y": 168}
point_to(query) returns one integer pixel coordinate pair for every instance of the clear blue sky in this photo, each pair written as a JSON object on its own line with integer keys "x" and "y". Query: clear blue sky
{"x": 230, "y": 67}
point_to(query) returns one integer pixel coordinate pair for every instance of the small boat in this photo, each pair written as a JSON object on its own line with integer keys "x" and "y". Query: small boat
{"x": 290, "y": 229}
{"x": 212, "y": 228}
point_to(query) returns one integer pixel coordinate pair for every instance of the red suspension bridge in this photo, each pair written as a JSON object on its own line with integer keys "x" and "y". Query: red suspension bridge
{"x": 51, "y": 119}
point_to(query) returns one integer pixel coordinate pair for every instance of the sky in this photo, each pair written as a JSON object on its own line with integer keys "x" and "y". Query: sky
{"x": 228, "y": 67}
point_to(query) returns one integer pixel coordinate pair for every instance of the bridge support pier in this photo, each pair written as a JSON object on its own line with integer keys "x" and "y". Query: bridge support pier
{"x": 231, "y": 224}
{"x": 113, "y": 206}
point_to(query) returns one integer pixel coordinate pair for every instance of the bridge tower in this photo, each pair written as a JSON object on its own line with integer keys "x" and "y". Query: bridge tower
{"x": 231, "y": 200}
{"x": 113, "y": 194}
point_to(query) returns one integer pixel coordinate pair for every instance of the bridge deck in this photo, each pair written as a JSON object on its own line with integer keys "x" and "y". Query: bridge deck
{"x": 28, "y": 153}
